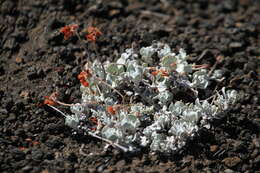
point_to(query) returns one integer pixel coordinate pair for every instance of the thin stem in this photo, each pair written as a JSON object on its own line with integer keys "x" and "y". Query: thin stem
{"x": 56, "y": 109}
{"x": 108, "y": 141}
{"x": 63, "y": 104}
{"x": 117, "y": 64}
{"x": 105, "y": 83}
{"x": 198, "y": 67}
{"x": 82, "y": 44}
{"x": 213, "y": 68}
{"x": 99, "y": 91}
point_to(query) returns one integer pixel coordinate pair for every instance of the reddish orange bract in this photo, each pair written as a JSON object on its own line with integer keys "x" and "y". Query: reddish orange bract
{"x": 154, "y": 73}
{"x": 164, "y": 73}
{"x": 84, "y": 83}
{"x": 161, "y": 72}
{"x": 93, "y": 128}
{"x": 93, "y": 33}
{"x": 83, "y": 76}
{"x": 111, "y": 110}
{"x": 93, "y": 120}
{"x": 49, "y": 101}
{"x": 69, "y": 30}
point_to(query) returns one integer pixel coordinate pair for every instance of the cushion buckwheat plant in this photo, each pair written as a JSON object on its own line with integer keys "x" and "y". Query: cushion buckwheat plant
{"x": 135, "y": 101}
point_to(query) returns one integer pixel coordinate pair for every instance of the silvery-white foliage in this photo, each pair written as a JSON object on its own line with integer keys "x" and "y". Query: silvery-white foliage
{"x": 217, "y": 74}
{"x": 80, "y": 112}
{"x": 191, "y": 115}
{"x": 122, "y": 130}
{"x": 182, "y": 56}
{"x": 184, "y": 67}
{"x": 114, "y": 69}
{"x": 113, "y": 80}
{"x": 147, "y": 53}
{"x": 98, "y": 69}
{"x": 128, "y": 122}
{"x": 126, "y": 56}
{"x": 177, "y": 108}
{"x": 144, "y": 141}
{"x": 208, "y": 110}
{"x": 164, "y": 97}
{"x": 102, "y": 116}
{"x": 142, "y": 109}
{"x": 72, "y": 120}
{"x": 134, "y": 71}
{"x": 182, "y": 64}
{"x": 157, "y": 119}
{"x": 111, "y": 133}
{"x": 161, "y": 85}
{"x": 168, "y": 59}
{"x": 79, "y": 109}
{"x": 182, "y": 128}
{"x": 165, "y": 51}
{"x": 227, "y": 99}
{"x": 157, "y": 143}
{"x": 200, "y": 79}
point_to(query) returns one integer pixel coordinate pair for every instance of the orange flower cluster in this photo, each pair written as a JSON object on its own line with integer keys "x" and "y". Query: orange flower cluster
{"x": 69, "y": 30}
{"x": 50, "y": 100}
{"x": 83, "y": 76}
{"x": 93, "y": 33}
{"x": 94, "y": 120}
{"x": 161, "y": 72}
{"x": 111, "y": 110}
{"x": 93, "y": 128}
